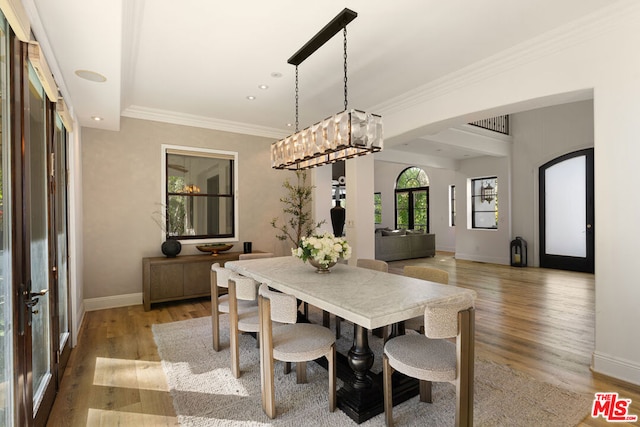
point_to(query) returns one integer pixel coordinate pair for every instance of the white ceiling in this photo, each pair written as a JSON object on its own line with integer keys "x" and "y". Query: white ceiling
{"x": 196, "y": 61}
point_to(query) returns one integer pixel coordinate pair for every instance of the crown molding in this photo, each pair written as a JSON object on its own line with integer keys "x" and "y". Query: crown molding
{"x": 551, "y": 42}
{"x": 144, "y": 113}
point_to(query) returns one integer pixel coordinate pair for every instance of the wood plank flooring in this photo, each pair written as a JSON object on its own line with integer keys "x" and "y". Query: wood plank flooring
{"x": 538, "y": 321}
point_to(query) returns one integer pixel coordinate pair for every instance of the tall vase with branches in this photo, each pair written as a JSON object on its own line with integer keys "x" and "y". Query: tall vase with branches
{"x": 298, "y": 221}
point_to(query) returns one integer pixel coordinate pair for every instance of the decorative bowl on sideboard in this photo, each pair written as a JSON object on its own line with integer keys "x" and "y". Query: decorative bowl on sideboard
{"x": 214, "y": 248}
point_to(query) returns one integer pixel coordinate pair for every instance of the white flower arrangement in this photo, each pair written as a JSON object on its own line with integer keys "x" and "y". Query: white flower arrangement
{"x": 324, "y": 249}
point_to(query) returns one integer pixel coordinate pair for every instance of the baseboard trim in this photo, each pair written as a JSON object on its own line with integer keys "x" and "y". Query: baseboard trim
{"x": 92, "y": 304}
{"x": 612, "y": 366}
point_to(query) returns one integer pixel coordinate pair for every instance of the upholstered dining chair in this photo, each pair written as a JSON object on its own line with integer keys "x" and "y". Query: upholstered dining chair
{"x": 241, "y": 289}
{"x": 290, "y": 342}
{"x": 220, "y": 303}
{"x": 424, "y": 273}
{"x": 371, "y": 264}
{"x": 433, "y": 357}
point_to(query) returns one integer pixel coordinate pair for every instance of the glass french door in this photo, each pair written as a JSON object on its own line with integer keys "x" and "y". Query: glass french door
{"x": 34, "y": 280}
{"x": 6, "y": 301}
{"x": 60, "y": 240}
{"x": 412, "y": 209}
{"x": 39, "y": 298}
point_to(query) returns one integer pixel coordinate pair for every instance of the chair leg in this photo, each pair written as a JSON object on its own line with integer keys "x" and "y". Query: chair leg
{"x": 266, "y": 360}
{"x": 235, "y": 350}
{"x": 301, "y": 372}
{"x": 269, "y": 392}
{"x": 215, "y": 314}
{"x": 465, "y": 363}
{"x": 215, "y": 328}
{"x": 425, "y": 391}
{"x": 338, "y": 320}
{"x": 234, "y": 346}
{"x": 387, "y": 371}
{"x": 287, "y": 368}
{"x": 331, "y": 358}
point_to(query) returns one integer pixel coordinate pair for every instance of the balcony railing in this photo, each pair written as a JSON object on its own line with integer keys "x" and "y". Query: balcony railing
{"x": 498, "y": 124}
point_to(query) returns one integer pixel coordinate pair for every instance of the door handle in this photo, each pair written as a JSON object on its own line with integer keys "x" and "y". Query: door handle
{"x": 38, "y": 294}
{"x": 29, "y": 299}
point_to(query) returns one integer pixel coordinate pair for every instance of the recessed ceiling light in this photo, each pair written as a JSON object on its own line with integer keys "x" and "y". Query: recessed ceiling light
{"x": 251, "y": 97}
{"x": 96, "y": 118}
{"x": 276, "y": 75}
{"x": 91, "y": 76}
{"x": 263, "y": 87}
{"x": 289, "y": 125}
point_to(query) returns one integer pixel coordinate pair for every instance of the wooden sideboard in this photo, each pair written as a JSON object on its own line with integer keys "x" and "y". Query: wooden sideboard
{"x": 182, "y": 277}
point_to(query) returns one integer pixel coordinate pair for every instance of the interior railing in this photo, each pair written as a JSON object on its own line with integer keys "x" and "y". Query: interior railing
{"x": 497, "y": 124}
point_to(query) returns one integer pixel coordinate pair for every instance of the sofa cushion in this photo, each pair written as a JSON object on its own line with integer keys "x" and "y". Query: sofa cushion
{"x": 415, "y": 232}
{"x": 394, "y": 232}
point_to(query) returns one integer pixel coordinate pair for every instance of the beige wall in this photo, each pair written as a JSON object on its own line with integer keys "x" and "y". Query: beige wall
{"x": 121, "y": 176}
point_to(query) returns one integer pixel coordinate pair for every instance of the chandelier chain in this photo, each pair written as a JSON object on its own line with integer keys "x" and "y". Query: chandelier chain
{"x": 297, "y": 116}
{"x": 346, "y": 104}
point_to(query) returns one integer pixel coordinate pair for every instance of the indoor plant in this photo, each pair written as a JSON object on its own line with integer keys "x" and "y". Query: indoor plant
{"x": 297, "y": 206}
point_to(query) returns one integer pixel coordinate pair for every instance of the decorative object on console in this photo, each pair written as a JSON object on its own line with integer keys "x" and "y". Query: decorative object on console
{"x": 345, "y": 135}
{"x": 171, "y": 248}
{"x": 322, "y": 251}
{"x": 214, "y": 248}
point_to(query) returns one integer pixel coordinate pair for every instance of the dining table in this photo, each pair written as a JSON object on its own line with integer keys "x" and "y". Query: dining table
{"x": 370, "y": 299}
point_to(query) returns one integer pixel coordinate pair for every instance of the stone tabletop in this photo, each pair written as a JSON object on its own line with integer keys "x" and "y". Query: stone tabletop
{"x": 368, "y": 298}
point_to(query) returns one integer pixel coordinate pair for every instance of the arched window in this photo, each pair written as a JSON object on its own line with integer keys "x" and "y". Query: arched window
{"x": 412, "y": 200}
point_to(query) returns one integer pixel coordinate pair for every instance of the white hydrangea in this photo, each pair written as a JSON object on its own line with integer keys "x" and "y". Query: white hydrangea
{"x": 324, "y": 248}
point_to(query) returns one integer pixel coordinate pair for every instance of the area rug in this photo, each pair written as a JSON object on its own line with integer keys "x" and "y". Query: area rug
{"x": 205, "y": 392}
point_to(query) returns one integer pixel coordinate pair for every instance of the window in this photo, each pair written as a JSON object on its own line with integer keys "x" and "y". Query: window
{"x": 412, "y": 200}
{"x": 452, "y": 205}
{"x": 377, "y": 207}
{"x": 484, "y": 203}
{"x": 200, "y": 188}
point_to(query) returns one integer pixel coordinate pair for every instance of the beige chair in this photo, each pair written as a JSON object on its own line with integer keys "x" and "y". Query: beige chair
{"x": 220, "y": 303}
{"x": 291, "y": 342}
{"x": 371, "y": 264}
{"x": 241, "y": 289}
{"x": 424, "y": 273}
{"x": 255, "y": 255}
{"x": 432, "y": 357}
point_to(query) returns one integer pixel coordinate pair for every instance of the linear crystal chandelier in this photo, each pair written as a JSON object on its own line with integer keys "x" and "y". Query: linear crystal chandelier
{"x": 344, "y": 135}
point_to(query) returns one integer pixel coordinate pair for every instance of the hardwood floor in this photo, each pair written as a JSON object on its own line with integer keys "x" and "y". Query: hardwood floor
{"x": 538, "y": 321}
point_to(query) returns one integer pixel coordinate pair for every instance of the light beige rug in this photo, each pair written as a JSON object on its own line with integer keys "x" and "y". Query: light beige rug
{"x": 205, "y": 393}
